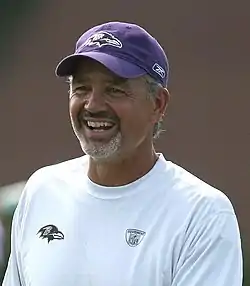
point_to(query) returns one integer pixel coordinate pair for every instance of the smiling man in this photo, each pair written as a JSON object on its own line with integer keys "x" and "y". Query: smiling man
{"x": 121, "y": 214}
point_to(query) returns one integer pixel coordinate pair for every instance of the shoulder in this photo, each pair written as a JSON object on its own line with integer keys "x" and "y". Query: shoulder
{"x": 53, "y": 175}
{"x": 66, "y": 167}
{"x": 191, "y": 194}
{"x": 60, "y": 171}
{"x": 197, "y": 207}
{"x": 47, "y": 183}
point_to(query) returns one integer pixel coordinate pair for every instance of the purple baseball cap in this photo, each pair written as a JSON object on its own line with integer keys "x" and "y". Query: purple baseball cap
{"x": 124, "y": 48}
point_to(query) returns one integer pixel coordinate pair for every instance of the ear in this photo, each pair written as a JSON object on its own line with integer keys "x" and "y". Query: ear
{"x": 161, "y": 103}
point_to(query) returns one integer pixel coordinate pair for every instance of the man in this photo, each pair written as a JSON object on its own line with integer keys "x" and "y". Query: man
{"x": 122, "y": 214}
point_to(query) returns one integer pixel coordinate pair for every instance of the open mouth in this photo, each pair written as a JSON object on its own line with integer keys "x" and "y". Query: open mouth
{"x": 99, "y": 126}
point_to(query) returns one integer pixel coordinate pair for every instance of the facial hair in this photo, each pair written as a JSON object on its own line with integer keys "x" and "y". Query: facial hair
{"x": 98, "y": 150}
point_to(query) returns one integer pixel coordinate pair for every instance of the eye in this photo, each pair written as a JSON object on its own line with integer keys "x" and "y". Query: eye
{"x": 115, "y": 91}
{"x": 80, "y": 90}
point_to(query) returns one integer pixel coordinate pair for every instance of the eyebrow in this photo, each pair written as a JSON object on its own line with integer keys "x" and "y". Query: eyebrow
{"x": 115, "y": 80}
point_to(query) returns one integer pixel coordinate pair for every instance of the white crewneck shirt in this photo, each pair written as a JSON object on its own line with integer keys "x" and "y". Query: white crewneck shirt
{"x": 167, "y": 228}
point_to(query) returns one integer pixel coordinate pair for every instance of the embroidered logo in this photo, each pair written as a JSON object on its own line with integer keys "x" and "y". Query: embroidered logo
{"x": 103, "y": 39}
{"x": 134, "y": 236}
{"x": 50, "y": 232}
{"x": 159, "y": 70}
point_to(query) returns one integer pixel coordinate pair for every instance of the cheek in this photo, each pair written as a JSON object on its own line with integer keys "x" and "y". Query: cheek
{"x": 135, "y": 119}
{"x": 74, "y": 106}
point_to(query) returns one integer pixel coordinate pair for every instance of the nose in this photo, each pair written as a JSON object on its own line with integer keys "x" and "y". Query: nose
{"x": 95, "y": 101}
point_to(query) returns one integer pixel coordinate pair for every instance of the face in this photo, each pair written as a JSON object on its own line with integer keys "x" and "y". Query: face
{"x": 111, "y": 116}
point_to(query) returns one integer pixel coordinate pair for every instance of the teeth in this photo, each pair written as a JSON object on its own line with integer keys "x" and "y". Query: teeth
{"x": 99, "y": 124}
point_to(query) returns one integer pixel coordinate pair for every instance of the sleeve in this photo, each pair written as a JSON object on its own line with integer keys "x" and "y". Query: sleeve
{"x": 213, "y": 255}
{"x": 13, "y": 275}
{"x": 2, "y": 240}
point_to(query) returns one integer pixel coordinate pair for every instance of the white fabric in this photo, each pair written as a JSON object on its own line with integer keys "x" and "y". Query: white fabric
{"x": 191, "y": 232}
{"x": 2, "y": 242}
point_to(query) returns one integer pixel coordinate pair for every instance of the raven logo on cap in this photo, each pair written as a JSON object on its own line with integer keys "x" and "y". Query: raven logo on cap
{"x": 103, "y": 39}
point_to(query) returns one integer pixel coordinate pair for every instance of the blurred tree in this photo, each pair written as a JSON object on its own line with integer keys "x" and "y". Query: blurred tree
{"x": 246, "y": 267}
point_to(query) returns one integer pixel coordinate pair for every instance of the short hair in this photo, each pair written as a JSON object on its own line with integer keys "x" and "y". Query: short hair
{"x": 153, "y": 86}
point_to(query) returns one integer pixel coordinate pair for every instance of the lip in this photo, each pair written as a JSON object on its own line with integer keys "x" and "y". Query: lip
{"x": 102, "y": 135}
{"x": 99, "y": 120}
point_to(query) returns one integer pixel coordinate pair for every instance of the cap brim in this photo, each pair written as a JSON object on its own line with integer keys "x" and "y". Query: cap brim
{"x": 118, "y": 66}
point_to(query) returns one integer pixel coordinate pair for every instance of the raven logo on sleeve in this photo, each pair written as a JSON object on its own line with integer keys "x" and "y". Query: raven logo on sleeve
{"x": 50, "y": 232}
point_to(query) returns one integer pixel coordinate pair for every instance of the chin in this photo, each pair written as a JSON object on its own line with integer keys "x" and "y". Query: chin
{"x": 101, "y": 151}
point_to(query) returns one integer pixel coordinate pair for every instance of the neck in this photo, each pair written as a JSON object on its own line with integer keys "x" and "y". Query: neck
{"x": 123, "y": 171}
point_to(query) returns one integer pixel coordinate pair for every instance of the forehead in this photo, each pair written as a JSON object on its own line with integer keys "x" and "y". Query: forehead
{"x": 88, "y": 69}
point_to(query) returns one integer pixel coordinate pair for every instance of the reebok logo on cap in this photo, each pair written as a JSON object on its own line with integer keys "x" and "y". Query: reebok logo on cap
{"x": 159, "y": 70}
